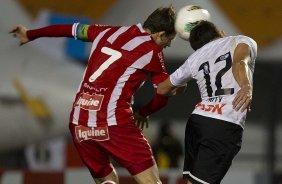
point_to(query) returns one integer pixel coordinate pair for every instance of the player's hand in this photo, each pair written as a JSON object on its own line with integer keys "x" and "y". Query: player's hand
{"x": 243, "y": 99}
{"x": 19, "y": 32}
{"x": 141, "y": 121}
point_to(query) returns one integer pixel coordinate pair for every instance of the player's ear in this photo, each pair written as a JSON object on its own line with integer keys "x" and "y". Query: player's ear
{"x": 161, "y": 33}
{"x": 222, "y": 33}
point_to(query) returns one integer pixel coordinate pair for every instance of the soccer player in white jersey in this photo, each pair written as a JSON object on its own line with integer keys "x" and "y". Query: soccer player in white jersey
{"x": 223, "y": 69}
{"x": 102, "y": 121}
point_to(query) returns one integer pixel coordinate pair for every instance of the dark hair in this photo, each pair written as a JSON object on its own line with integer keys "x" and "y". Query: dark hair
{"x": 162, "y": 19}
{"x": 203, "y": 33}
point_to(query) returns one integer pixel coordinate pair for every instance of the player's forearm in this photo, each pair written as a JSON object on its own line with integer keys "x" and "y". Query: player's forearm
{"x": 166, "y": 88}
{"x": 154, "y": 105}
{"x": 59, "y": 30}
{"x": 240, "y": 72}
{"x": 240, "y": 65}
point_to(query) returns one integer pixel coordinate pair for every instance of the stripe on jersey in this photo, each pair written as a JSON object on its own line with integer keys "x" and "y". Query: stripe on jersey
{"x": 75, "y": 115}
{"x": 92, "y": 115}
{"x": 141, "y": 28}
{"x": 135, "y": 42}
{"x": 140, "y": 63}
{"x": 97, "y": 39}
{"x": 74, "y": 26}
{"x": 114, "y": 36}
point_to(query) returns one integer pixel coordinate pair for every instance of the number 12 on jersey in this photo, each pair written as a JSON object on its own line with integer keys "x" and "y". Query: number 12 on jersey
{"x": 206, "y": 69}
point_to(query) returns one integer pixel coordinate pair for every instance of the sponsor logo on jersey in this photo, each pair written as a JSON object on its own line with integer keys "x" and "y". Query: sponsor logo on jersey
{"x": 96, "y": 90}
{"x": 89, "y": 102}
{"x": 216, "y": 108}
{"x": 224, "y": 57}
{"x": 161, "y": 57}
{"x": 215, "y": 99}
{"x": 95, "y": 133}
{"x": 206, "y": 69}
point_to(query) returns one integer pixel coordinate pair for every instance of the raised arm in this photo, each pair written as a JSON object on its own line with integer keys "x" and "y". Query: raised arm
{"x": 240, "y": 70}
{"x": 78, "y": 31}
{"x": 24, "y": 35}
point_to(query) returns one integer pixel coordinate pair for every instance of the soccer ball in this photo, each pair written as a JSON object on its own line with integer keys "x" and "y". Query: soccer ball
{"x": 187, "y": 18}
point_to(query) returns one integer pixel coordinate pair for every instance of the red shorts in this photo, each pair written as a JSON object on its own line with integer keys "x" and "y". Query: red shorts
{"x": 125, "y": 144}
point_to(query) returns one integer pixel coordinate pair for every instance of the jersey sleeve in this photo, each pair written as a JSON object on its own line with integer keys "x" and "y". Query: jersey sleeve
{"x": 182, "y": 75}
{"x": 249, "y": 41}
{"x": 156, "y": 103}
{"x": 57, "y": 30}
{"x": 87, "y": 32}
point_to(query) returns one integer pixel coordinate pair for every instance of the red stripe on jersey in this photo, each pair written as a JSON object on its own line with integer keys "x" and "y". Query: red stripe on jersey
{"x": 126, "y": 112}
{"x": 121, "y": 87}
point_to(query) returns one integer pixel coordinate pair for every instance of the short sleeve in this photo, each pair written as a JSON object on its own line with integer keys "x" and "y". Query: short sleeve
{"x": 249, "y": 41}
{"x": 182, "y": 75}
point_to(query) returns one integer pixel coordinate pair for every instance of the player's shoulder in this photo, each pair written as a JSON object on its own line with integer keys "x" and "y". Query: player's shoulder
{"x": 247, "y": 40}
{"x": 244, "y": 38}
{"x": 241, "y": 37}
{"x": 139, "y": 34}
{"x": 135, "y": 29}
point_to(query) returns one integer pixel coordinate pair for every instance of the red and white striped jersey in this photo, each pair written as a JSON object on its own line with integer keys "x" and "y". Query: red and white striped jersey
{"x": 119, "y": 62}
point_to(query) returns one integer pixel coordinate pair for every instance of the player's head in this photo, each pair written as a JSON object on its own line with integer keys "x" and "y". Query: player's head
{"x": 203, "y": 33}
{"x": 160, "y": 24}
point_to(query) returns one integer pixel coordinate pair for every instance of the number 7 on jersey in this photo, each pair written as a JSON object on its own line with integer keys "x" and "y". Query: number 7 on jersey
{"x": 115, "y": 55}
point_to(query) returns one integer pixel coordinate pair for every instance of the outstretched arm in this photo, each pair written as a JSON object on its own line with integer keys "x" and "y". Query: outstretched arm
{"x": 166, "y": 88}
{"x": 241, "y": 59}
{"x": 24, "y": 35}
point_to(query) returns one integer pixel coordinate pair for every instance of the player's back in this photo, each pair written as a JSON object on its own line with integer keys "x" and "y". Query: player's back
{"x": 211, "y": 66}
{"x": 118, "y": 65}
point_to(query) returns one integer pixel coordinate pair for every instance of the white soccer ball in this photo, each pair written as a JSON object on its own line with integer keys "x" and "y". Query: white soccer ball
{"x": 187, "y": 18}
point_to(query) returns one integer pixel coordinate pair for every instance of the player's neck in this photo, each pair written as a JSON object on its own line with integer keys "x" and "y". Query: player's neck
{"x": 148, "y": 31}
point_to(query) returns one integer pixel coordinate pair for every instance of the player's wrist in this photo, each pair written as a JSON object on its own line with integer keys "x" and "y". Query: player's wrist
{"x": 142, "y": 113}
{"x": 247, "y": 86}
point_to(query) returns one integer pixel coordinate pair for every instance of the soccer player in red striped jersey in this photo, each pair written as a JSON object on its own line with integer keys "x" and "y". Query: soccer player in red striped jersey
{"x": 102, "y": 122}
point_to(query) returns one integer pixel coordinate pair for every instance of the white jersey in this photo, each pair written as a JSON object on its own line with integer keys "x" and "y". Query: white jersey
{"x": 211, "y": 67}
